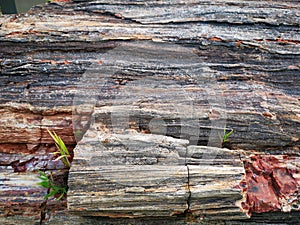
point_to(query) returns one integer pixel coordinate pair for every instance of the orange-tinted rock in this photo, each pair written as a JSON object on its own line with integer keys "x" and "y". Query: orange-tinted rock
{"x": 270, "y": 184}
{"x": 13, "y": 148}
{"x": 261, "y": 196}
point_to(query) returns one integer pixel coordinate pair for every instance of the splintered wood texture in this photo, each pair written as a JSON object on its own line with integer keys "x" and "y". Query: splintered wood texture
{"x": 244, "y": 73}
{"x": 136, "y": 144}
{"x": 258, "y": 219}
{"x": 135, "y": 180}
{"x": 248, "y": 62}
{"x": 192, "y": 21}
{"x": 214, "y": 176}
{"x": 20, "y": 197}
{"x": 147, "y": 175}
{"x": 167, "y": 89}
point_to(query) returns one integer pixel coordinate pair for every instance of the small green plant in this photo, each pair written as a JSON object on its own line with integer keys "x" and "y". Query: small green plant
{"x": 226, "y": 135}
{"x": 48, "y": 182}
{"x": 62, "y": 153}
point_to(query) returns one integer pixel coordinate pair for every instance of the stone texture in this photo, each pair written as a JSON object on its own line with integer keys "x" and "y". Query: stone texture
{"x": 20, "y": 198}
{"x": 272, "y": 183}
{"x": 250, "y": 49}
{"x": 110, "y": 179}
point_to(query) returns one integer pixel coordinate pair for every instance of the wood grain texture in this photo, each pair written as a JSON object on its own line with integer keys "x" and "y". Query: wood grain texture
{"x": 249, "y": 49}
{"x": 20, "y": 197}
{"x": 259, "y": 219}
{"x": 254, "y": 73}
{"x": 214, "y": 183}
{"x": 105, "y": 181}
{"x": 126, "y": 157}
{"x": 112, "y": 179}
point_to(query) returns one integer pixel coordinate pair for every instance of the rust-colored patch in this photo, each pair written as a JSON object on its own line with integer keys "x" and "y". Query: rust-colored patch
{"x": 13, "y": 148}
{"x": 215, "y": 39}
{"x": 279, "y": 40}
{"x": 261, "y": 196}
{"x": 284, "y": 180}
{"x": 18, "y": 33}
{"x": 270, "y": 183}
{"x": 267, "y": 114}
{"x": 53, "y": 62}
{"x": 118, "y": 15}
{"x": 67, "y": 62}
{"x": 238, "y": 43}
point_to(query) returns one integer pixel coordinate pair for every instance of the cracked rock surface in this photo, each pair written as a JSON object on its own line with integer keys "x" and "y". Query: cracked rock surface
{"x": 153, "y": 83}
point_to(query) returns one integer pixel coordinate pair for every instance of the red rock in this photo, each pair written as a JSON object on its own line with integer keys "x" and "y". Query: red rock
{"x": 269, "y": 183}
{"x": 285, "y": 181}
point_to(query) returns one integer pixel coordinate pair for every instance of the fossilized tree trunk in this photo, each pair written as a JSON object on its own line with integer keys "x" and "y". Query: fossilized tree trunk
{"x": 147, "y": 87}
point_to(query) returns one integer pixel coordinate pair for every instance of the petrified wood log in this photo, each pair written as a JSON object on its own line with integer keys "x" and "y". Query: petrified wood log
{"x": 139, "y": 94}
{"x": 209, "y": 64}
